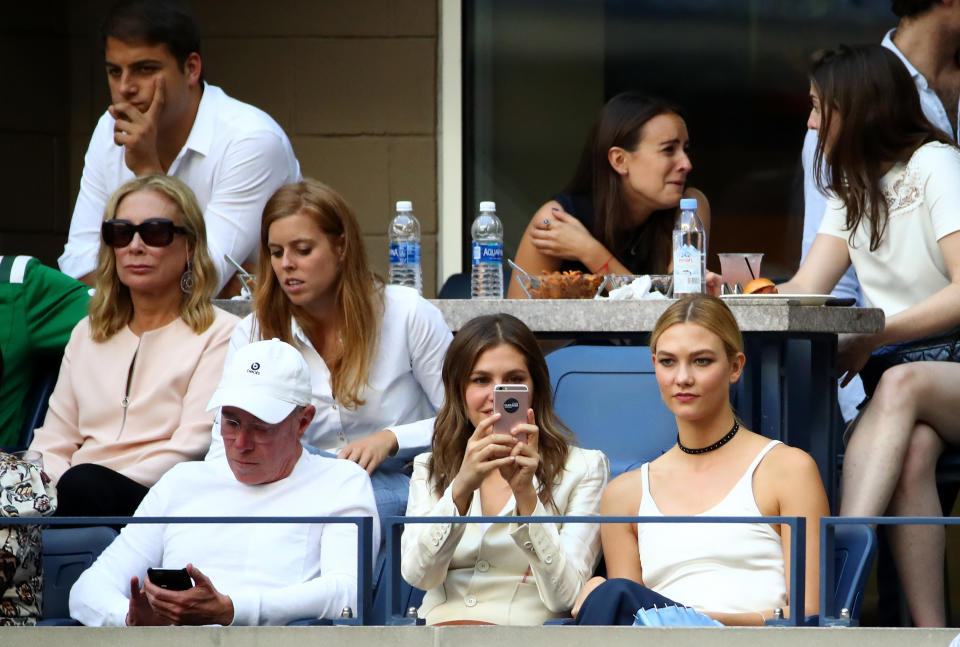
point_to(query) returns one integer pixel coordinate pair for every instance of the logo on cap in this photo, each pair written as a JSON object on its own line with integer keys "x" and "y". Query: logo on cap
{"x": 254, "y": 368}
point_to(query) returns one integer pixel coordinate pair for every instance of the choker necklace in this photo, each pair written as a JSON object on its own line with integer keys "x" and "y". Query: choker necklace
{"x": 709, "y": 448}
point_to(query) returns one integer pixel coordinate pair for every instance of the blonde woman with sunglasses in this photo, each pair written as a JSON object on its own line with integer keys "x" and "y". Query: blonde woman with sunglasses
{"x": 138, "y": 372}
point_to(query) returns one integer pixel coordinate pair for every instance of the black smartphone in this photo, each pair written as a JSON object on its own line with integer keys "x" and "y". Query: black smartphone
{"x": 172, "y": 579}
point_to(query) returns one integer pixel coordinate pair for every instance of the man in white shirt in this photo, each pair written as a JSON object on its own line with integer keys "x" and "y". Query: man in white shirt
{"x": 927, "y": 40}
{"x": 165, "y": 119}
{"x": 242, "y": 574}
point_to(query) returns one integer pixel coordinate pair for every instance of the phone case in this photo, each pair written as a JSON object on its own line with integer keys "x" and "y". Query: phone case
{"x": 511, "y": 401}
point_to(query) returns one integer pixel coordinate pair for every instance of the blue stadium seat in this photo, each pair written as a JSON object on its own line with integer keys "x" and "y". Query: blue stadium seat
{"x": 608, "y": 396}
{"x": 68, "y": 552}
{"x": 855, "y": 547}
{"x": 35, "y": 409}
{"x": 457, "y": 286}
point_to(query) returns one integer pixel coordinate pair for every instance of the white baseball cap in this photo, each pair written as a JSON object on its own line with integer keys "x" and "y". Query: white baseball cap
{"x": 267, "y": 379}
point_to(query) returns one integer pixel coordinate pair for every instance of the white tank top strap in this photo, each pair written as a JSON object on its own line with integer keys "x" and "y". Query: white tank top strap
{"x": 759, "y": 457}
{"x": 746, "y": 481}
{"x": 645, "y": 480}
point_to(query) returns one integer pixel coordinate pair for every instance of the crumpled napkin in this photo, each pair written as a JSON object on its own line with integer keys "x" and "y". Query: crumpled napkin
{"x": 637, "y": 289}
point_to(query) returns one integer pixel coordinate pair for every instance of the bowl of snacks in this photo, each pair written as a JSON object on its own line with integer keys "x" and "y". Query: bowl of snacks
{"x": 559, "y": 285}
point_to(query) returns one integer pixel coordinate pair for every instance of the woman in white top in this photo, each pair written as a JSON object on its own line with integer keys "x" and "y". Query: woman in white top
{"x": 736, "y": 573}
{"x": 502, "y": 573}
{"x": 374, "y": 351}
{"x": 894, "y": 213}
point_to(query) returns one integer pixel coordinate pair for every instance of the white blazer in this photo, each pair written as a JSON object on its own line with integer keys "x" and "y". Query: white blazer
{"x": 506, "y": 574}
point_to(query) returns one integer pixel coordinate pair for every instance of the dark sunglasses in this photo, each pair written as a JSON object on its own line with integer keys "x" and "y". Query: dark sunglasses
{"x": 155, "y": 232}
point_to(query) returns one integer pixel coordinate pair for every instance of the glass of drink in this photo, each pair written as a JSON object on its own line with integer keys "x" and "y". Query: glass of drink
{"x": 738, "y": 269}
{"x": 30, "y": 456}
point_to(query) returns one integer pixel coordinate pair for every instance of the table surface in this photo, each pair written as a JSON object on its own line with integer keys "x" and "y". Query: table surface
{"x": 587, "y": 315}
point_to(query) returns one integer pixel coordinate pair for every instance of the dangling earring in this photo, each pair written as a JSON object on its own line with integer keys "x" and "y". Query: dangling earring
{"x": 186, "y": 279}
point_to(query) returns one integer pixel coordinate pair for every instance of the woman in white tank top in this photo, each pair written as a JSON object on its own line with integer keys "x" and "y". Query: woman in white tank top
{"x": 736, "y": 573}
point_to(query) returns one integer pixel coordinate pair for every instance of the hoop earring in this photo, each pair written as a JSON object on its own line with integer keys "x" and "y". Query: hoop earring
{"x": 186, "y": 279}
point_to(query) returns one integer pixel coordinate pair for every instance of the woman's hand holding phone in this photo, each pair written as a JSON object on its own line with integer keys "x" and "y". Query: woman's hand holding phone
{"x": 485, "y": 452}
{"x": 519, "y": 474}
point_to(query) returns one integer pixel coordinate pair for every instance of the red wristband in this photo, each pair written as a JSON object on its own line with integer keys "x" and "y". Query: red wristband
{"x": 605, "y": 268}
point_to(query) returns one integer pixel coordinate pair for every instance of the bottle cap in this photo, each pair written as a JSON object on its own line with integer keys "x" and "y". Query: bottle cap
{"x": 688, "y": 203}
{"x": 404, "y": 205}
{"x": 487, "y": 205}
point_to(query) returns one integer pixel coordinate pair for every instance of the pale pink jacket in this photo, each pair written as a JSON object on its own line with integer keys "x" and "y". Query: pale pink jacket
{"x": 172, "y": 373}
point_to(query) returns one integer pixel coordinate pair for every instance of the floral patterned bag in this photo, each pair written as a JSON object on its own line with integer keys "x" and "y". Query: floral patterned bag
{"x": 25, "y": 491}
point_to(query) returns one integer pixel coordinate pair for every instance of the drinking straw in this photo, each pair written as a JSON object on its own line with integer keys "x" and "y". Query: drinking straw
{"x": 749, "y": 269}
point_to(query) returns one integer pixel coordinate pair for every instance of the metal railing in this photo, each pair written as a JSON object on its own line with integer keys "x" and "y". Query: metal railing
{"x": 393, "y": 527}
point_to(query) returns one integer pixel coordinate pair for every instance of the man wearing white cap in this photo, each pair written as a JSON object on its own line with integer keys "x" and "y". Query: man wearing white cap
{"x": 242, "y": 575}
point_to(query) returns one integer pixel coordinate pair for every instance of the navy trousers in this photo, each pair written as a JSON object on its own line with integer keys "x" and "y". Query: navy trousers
{"x": 615, "y": 602}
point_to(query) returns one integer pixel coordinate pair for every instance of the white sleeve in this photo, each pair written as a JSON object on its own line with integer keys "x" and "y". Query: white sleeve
{"x": 426, "y": 549}
{"x": 239, "y": 339}
{"x": 428, "y": 337}
{"x": 324, "y": 596}
{"x": 79, "y": 256}
{"x": 101, "y": 596}
{"x": 253, "y": 168}
{"x": 941, "y": 168}
{"x": 835, "y": 219}
{"x": 563, "y": 559}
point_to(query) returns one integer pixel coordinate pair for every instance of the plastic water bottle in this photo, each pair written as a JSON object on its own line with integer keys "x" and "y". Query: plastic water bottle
{"x": 689, "y": 251}
{"x": 404, "y": 233}
{"x": 486, "y": 276}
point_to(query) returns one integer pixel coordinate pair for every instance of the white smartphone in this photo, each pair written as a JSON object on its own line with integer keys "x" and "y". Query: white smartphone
{"x": 511, "y": 401}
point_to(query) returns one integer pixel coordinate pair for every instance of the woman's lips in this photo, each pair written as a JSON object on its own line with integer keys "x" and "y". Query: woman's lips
{"x": 293, "y": 285}
{"x": 685, "y": 397}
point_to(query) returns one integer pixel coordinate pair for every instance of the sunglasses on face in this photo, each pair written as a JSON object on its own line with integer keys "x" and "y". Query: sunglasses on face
{"x": 155, "y": 232}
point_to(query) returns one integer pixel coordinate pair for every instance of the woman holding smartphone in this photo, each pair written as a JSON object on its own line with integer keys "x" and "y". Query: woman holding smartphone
{"x": 503, "y": 573}
{"x": 735, "y": 573}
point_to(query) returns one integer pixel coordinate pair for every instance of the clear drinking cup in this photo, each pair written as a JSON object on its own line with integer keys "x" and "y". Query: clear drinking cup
{"x": 738, "y": 269}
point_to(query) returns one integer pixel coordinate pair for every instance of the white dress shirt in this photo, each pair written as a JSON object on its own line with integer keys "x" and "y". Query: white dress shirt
{"x": 273, "y": 573}
{"x": 405, "y": 386}
{"x": 506, "y": 574}
{"x": 234, "y": 159}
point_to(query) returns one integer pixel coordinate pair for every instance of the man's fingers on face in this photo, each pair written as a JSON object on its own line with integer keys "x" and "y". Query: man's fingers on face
{"x": 159, "y": 96}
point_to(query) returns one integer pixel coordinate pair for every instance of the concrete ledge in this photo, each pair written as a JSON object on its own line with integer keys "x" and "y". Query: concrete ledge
{"x": 588, "y": 315}
{"x": 472, "y": 636}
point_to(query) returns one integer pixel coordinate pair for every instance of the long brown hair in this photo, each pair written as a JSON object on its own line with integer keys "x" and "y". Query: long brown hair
{"x": 453, "y": 427}
{"x": 869, "y": 91}
{"x": 111, "y": 307}
{"x": 358, "y": 292}
{"x": 620, "y": 123}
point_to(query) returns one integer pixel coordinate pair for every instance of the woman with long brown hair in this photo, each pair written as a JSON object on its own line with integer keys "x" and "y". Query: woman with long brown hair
{"x": 617, "y": 214}
{"x": 504, "y": 573}
{"x": 374, "y": 351}
{"x": 894, "y": 213}
{"x": 736, "y": 573}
